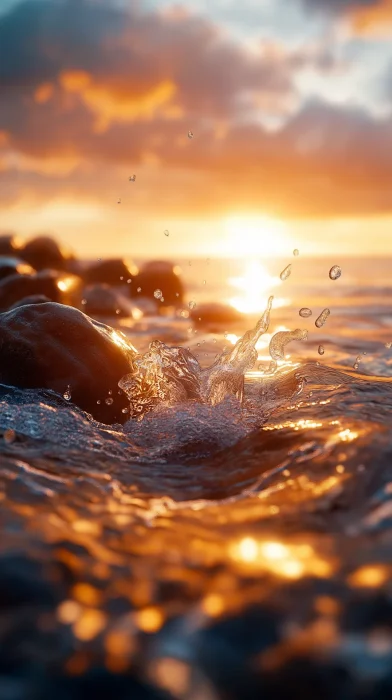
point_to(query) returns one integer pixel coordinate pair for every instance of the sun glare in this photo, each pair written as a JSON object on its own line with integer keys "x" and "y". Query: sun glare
{"x": 254, "y": 287}
{"x": 261, "y": 235}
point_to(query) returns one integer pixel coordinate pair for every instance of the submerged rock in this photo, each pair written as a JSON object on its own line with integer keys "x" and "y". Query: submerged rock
{"x": 13, "y": 266}
{"x": 159, "y": 276}
{"x": 102, "y": 300}
{"x": 113, "y": 272}
{"x": 44, "y": 252}
{"x": 50, "y": 346}
{"x": 60, "y": 287}
{"x": 214, "y": 314}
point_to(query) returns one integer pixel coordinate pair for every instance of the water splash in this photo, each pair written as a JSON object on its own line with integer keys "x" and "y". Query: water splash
{"x": 285, "y": 273}
{"x": 335, "y": 272}
{"x": 305, "y": 312}
{"x": 319, "y": 322}
{"x": 279, "y": 342}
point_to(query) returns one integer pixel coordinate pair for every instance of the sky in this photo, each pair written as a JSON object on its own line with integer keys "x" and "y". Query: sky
{"x": 288, "y": 104}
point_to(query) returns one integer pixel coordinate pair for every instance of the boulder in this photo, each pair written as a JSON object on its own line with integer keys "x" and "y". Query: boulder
{"x": 10, "y": 244}
{"x": 215, "y": 315}
{"x": 33, "y": 299}
{"x": 60, "y": 287}
{"x": 13, "y": 266}
{"x": 44, "y": 252}
{"x": 114, "y": 272}
{"x": 102, "y": 300}
{"x": 51, "y": 346}
{"x": 159, "y": 275}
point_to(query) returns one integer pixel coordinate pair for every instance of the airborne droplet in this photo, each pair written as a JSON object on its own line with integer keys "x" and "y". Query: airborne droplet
{"x": 166, "y": 232}
{"x": 388, "y": 345}
{"x": 295, "y": 252}
{"x": 158, "y": 294}
{"x": 335, "y": 272}
{"x": 321, "y": 350}
{"x": 192, "y": 304}
{"x": 132, "y": 178}
{"x": 285, "y": 273}
{"x": 119, "y": 201}
{"x": 190, "y": 134}
{"x": 67, "y": 393}
{"x": 319, "y": 322}
{"x": 109, "y": 401}
{"x": 305, "y": 312}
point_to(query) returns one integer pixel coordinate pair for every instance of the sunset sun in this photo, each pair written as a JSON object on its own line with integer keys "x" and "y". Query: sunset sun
{"x": 256, "y": 235}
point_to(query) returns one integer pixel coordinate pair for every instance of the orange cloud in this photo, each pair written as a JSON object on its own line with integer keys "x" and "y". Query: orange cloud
{"x": 373, "y": 19}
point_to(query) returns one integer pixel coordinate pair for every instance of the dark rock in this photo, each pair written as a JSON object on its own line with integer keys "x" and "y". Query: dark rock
{"x": 216, "y": 315}
{"x": 44, "y": 252}
{"x": 14, "y": 266}
{"x": 100, "y": 684}
{"x": 10, "y": 244}
{"x": 60, "y": 287}
{"x": 33, "y": 299}
{"x": 112, "y": 272}
{"x": 102, "y": 300}
{"x": 162, "y": 275}
{"x": 50, "y": 346}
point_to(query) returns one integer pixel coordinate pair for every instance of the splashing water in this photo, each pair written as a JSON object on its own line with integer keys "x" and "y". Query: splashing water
{"x": 279, "y": 342}
{"x": 319, "y": 322}
{"x": 305, "y": 312}
{"x": 335, "y": 272}
{"x": 285, "y": 273}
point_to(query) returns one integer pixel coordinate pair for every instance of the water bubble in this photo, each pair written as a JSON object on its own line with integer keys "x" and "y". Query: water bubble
{"x": 132, "y": 178}
{"x": 335, "y": 272}
{"x": 285, "y": 273}
{"x": 158, "y": 294}
{"x": 321, "y": 350}
{"x": 192, "y": 304}
{"x": 305, "y": 312}
{"x": 359, "y": 358}
{"x": 109, "y": 401}
{"x": 319, "y": 322}
{"x": 190, "y": 134}
{"x": 67, "y": 393}
{"x": 295, "y": 252}
{"x": 166, "y": 232}
{"x": 9, "y": 436}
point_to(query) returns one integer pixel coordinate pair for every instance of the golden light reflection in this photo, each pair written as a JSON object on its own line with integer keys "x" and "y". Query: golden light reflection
{"x": 369, "y": 577}
{"x": 285, "y": 560}
{"x": 255, "y": 286}
{"x": 257, "y": 235}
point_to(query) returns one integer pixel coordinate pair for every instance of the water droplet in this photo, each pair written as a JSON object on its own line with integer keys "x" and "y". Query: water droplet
{"x": 166, "y": 232}
{"x": 359, "y": 358}
{"x": 295, "y": 252}
{"x": 281, "y": 339}
{"x": 125, "y": 410}
{"x": 109, "y": 401}
{"x": 319, "y": 322}
{"x": 9, "y": 436}
{"x": 99, "y": 401}
{"x": 67, "y": 393}
{"x": 321, "y": 350}
{"x": 110, "y": 392}
{"x": 84, "y": 302}
{"x": 355, "y": 365}
{"x": 139, "y": 289}
{"x": 119, "y": 201}
{"x": 158, "y": 294}
{"x": 204, "y": 281}
{"x": 305, "y": 312}
{"x": 388, "y": 345}
{"x": 190, "y": 134}
{"x": 285, "y": 273}
{"x": 132, "y": 178}
{"x": 192, "y": 304}
{"x": 335, "y": 272}
{"x": 118, "y": 311}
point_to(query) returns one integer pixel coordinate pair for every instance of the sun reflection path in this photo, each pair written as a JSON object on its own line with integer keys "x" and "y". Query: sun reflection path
{"x": 286, "y": 560}
{"x": 255, "y": 286}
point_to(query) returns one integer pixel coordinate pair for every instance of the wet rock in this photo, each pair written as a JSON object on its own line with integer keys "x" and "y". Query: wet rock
{"x": 102, "y": 300}
{"x": 44, "y": 252}
{"x": 33, "y": 299}
{"x": 100, "y": 684}
{"x": 14, "y": 266}
{"x": 159, "y": 275}
{"x": 216, "y": 315}
{"x": 50, "y": 346}
{"x": 10, "y": 244}
{"x": 113, "y": 272}
{"x": 60, "y": 287}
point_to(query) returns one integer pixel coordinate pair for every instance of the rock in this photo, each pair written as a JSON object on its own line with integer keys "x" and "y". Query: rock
{"x": 216, "y": 315}
{"x": 113, "y": 272}
{"x": 33, "y": 299}
{"x": 13, "y": 266}
{"x": 59, "y": 287}
{"x": 51, "y": 346}
{"x": 45, "y": 253}
{"x": 10, "y": 244}
{"x": 102, "y": 300}
{"x": 159, "y": 275}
